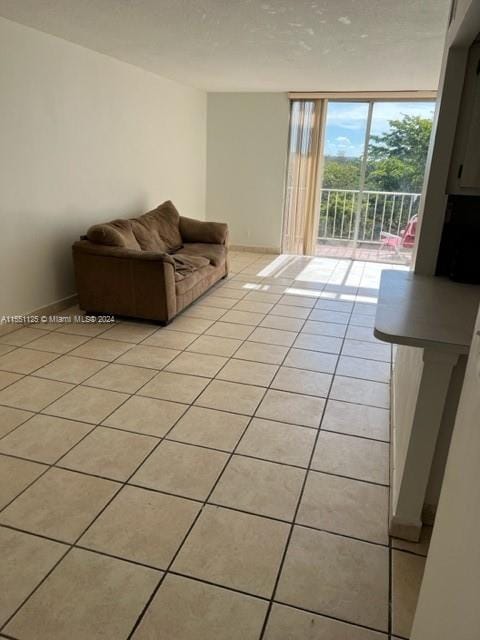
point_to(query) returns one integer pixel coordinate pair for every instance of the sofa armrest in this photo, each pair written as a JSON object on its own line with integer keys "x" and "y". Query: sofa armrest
{"x": 205, "y": 232}
{"x": 124, "y": 281}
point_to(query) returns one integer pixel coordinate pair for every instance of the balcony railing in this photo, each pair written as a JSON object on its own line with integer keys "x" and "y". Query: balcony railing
{"x": 380, "y": 211}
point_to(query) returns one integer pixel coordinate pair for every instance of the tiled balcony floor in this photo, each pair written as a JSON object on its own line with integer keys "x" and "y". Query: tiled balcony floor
{"x": 364, "y": 253}
{"x": 225, "y": 477}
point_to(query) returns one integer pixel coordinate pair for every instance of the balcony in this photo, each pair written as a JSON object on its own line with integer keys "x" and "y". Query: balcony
{"x": 369, "y": 231}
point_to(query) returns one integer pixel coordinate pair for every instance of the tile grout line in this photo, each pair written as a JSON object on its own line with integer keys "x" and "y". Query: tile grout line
{"x": 211, "y": 379}
{"x": 28, "y": 346}
{"x": 192, "y": 499}
{"x": 205, "y": 502}
{"x": 164, "y": 437}
{"x": 41, "y": 412}
{"x": 81, "y": 383}
{"x": 198, "y": 445}
{"x": 293, "y": 524}
{"x": 185, "y": 537}
{"x": 163, "y": 368}
{"x": 150, "y": 600}
{"x": 215, "y": 504}
{"x": 71, "y": 545}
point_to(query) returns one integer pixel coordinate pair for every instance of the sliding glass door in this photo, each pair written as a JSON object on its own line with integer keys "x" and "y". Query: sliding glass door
{"x": 345, "y": 136}
{"x": 370, "y": 170}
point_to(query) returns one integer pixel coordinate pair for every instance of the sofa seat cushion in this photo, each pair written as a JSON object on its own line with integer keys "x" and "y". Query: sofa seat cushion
{"x": 186, "y": 264}
{"x": 192, "y": 280}
{"x": 159, "y": 229}
{"x": 196, "y": 284}
{"x": 216, "y": 253}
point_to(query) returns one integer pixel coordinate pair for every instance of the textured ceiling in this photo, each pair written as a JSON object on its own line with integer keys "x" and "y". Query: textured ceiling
{"x": 255, "y": 45}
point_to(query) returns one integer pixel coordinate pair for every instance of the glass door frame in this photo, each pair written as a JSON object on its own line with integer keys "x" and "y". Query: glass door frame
{"x": 369, "y": 98}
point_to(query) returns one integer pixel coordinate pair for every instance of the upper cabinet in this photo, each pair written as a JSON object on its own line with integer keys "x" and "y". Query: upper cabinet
{"x": 464, "y": 175}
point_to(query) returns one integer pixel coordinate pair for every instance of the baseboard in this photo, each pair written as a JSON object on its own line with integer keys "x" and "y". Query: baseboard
{"x": 55, "y": 307}
{"x": 255, "y": 249}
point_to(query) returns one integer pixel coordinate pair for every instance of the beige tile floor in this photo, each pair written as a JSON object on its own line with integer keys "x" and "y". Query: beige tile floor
{"x": 225, "y": 477}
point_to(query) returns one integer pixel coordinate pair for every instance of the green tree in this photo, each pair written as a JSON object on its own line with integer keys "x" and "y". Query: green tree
{"x": 396, "y": 158}
{"x": 341, "y": 173}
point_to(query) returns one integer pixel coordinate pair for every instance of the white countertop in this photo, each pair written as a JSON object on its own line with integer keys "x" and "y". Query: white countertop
{"x": 426, "y": 311}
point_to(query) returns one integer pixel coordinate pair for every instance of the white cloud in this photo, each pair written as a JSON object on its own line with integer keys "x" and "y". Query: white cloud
{"x": 342, "y": 146}
{"x": 342, "y": 141}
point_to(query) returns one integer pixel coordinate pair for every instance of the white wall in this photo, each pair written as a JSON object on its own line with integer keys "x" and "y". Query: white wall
{"x": 83, "y": 138}
{"x": 247, "y": 137}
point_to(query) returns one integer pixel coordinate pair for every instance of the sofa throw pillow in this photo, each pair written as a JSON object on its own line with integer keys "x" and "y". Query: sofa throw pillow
{"x": 117, "y": 233}
{"x": 163, "y": 223}
{"x": 201, "y": 231}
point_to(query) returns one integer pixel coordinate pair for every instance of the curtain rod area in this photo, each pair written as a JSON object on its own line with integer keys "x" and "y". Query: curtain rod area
{"x": 362, "y": 95}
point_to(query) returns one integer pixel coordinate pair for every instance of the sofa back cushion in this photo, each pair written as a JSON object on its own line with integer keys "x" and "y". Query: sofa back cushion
{"x": 156, "y": 230}
{"x": 159, "y": 229}
{"x": 146, "y": 234}
{"x": 118, "y": 233}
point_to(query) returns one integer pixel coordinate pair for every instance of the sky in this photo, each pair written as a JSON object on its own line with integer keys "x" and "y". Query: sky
{"x": 347, "y": 121}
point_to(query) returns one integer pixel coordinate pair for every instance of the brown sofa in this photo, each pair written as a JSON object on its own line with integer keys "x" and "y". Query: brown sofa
{"x": 149, "y": 267}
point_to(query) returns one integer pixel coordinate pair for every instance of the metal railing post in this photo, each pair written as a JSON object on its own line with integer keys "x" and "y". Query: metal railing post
{"x": 386, "y": 216}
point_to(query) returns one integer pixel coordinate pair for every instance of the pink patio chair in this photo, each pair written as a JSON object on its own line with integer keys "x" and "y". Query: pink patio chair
{"x": 405, "y": 240}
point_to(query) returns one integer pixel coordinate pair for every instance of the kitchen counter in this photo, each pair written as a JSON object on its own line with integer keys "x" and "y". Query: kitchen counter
{"x": 432, "y": 319}
{"x": 425, "y": 311}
